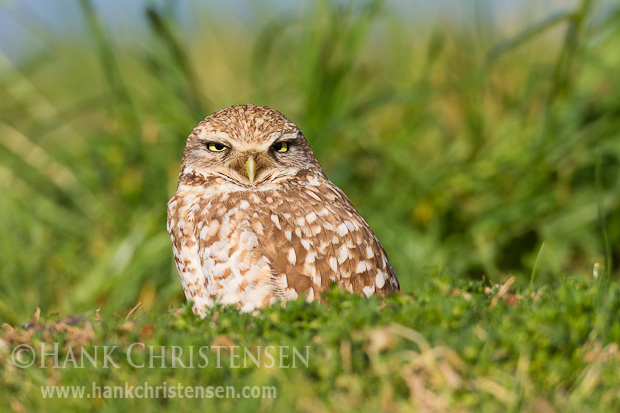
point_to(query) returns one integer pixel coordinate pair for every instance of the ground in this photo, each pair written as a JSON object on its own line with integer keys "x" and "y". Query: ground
{"x": 455, "y": 346}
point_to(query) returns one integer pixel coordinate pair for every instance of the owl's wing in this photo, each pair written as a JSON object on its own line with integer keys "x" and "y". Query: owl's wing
{"x": 181, "y": 227}
{"x": 314, "y": 236}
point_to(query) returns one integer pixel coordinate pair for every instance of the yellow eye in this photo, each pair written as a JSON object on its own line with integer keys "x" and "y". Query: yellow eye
{"x": 216, "y": 147}
{"x": 280, "y": 147}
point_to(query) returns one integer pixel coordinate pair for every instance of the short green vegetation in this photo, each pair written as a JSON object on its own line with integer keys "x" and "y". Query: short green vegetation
{"x": 453, "y": 346}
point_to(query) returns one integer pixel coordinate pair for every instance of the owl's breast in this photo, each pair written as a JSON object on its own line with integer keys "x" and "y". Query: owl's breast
{"x": 257, "y": 246}
{"x": 237, "y": 270}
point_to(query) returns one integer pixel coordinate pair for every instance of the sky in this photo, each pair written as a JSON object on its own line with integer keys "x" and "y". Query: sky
{"x": 23, "y": 23}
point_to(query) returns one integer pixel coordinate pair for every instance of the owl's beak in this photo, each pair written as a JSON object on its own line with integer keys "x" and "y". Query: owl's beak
{"x": 250, "y": 168}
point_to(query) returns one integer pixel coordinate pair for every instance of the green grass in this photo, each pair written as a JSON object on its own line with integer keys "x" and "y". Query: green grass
{"x": 484, "y": 149}
{"x": 453, "y": 346}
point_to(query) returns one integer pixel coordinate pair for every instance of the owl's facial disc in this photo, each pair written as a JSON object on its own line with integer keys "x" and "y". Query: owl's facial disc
{"x": 250, "y": 163}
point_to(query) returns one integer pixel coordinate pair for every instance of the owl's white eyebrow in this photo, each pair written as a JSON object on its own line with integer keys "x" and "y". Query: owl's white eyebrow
{"x": 216, "y": 139}
{"x": 286, "y": 138}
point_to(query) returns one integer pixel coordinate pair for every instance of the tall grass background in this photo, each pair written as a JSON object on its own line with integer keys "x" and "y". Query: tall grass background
{"x": 482, "y": 146}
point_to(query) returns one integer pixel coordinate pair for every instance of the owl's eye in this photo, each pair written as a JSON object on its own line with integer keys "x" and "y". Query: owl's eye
{"x": 280, "y": 147}
{"x": 216, "y": 147}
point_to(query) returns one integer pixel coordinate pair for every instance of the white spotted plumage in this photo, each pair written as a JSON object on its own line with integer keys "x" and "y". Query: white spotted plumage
{"x": 251, "y": 225}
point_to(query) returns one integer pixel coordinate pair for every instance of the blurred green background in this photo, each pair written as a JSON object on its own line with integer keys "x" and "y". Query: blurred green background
{"x": 476, "y": 138}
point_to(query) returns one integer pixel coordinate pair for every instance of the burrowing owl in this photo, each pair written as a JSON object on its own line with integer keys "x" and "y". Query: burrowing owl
{"x": 254, "y": 218}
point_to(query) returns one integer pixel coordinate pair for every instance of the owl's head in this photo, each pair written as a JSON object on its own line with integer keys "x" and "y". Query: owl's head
{"x": 247, "y": 145}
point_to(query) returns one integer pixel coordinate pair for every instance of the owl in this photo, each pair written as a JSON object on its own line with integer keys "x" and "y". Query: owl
{"x": 254, "y": 219}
